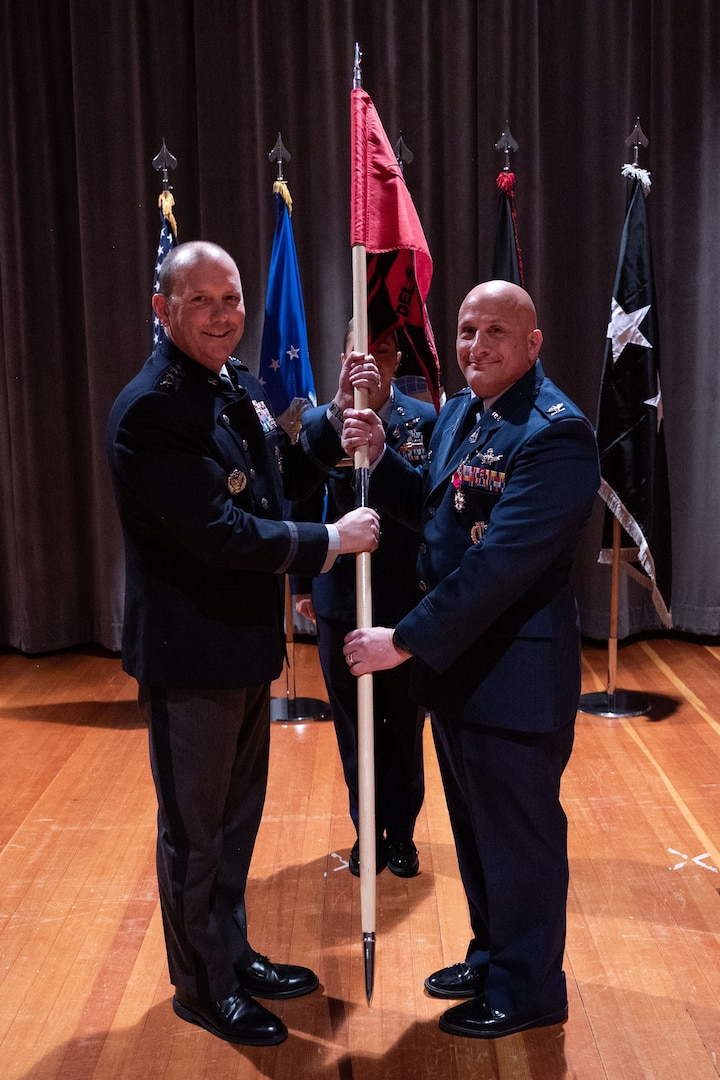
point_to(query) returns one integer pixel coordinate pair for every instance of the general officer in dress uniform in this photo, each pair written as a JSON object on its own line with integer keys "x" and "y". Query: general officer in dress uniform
{"x": 199, "y": 465}
{"x": 330, "y": 599}
{"x": 494, "y": 648}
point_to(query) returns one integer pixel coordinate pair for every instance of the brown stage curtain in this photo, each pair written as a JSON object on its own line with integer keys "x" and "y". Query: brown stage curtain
{"x": 88, "y": 90}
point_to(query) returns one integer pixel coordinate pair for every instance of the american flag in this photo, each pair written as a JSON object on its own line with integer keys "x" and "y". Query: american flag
{"x": 167, "y": 241}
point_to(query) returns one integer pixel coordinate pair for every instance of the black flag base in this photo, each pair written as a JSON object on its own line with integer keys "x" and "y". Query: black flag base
{"x": 299, "y": 709}
{"x": 616, "y": 704}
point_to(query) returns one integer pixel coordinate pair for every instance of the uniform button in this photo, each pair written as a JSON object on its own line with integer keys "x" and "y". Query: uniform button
{"x": 264, "y": 504}
{"x": 423, "y": 549}
{"x": 225, "y": 418}
{"x": 431, "y": 511}
{"x": 245, "y": 445}
{"x": 252, "y": 474}
{"x": 422, "y": 585}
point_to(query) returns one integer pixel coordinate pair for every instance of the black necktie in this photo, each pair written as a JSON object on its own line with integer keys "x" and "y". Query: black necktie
{"x": 470, "y": 419}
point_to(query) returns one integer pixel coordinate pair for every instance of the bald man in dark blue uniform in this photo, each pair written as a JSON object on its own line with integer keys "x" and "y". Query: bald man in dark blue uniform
{"x": 494, "y": 646}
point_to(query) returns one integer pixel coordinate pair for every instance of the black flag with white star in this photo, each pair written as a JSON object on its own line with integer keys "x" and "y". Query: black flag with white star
{"x": 507, "y": 259}
{"x": 630, "y": 427}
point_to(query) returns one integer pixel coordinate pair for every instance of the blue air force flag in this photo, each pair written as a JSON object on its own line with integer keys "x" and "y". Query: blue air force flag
{"x": 285, "y": 371}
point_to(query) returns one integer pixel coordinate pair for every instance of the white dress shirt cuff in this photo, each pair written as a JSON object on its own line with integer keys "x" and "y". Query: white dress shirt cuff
{"x": 333, "y": 547}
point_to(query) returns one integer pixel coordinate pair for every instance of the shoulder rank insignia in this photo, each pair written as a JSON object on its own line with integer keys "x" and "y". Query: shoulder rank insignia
{"x": 237, "y": 482}
{"x": 555, "y": 409}
{"x": 172, "y": 376}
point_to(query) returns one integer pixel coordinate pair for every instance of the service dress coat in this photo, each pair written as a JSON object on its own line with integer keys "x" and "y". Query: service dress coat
{"x": 200, "y": 472}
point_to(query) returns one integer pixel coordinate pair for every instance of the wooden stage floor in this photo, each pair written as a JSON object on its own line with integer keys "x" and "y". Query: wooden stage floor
{"x": 84, "y": 991}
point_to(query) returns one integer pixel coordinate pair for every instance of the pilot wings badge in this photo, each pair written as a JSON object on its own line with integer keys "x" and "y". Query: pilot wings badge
{"x": 489, "y": 457}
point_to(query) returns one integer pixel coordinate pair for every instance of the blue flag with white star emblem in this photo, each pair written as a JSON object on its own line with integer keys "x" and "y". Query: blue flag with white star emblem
{"x": 285, "y": 371}
{"x": 630, "y": 428}
{"x": 167, "y": 241}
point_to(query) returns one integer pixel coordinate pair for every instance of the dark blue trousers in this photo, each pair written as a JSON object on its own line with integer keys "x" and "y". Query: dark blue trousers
{"x": 209, "y": 757}
{"x": 503, "y": 794}
{"x": 399, "y": 775}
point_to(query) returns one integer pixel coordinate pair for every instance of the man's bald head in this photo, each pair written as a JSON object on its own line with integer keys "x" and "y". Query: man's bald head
{"x": 497, "y": 338}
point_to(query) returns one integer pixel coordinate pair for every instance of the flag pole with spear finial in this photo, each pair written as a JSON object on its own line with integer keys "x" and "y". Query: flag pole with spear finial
{"x": 289, "y": 706}
{"x": 162, "y": 163}
{"x": 507, "y": 258}
{"x": 366, "y": 733}
{"x": 611, "y": 702}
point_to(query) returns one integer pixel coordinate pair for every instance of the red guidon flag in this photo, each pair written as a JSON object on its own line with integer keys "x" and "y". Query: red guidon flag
{"x": 384, "y": 220}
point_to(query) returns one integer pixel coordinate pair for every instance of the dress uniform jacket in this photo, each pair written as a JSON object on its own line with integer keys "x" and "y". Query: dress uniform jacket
{"x": 199, "y": 476}
{"x": 496, "y": 635}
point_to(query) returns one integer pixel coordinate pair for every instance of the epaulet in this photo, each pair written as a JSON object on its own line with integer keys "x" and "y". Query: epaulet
{"x": 172, "y": 376}
{"x": 553, "y": 404}
{"x": 239, "y": 363}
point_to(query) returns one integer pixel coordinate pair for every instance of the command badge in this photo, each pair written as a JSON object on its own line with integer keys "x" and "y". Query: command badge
{"x": 237, "y": 482}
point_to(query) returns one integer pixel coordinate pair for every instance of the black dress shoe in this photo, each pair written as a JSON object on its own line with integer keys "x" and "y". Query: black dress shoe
{"x": 402, "y": 858}
{"x": 477, "y": 1019}
{"x": 236, "y": 1019}
{"x": 457, "y": 981}
{"x": 380, "y": 857}
{"x": 267, "y": 980}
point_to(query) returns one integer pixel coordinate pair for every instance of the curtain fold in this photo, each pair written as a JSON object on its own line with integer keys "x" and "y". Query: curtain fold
{"x": 87, "y": 94}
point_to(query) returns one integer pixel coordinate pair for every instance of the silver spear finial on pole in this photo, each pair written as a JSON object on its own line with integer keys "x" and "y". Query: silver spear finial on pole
{"x": 636, "y": 139}
{"x": 403, "y": 153}
{"x": 280, "y": 153}
{"x": 505, "y": 144}
{"x": 164, "y": 160}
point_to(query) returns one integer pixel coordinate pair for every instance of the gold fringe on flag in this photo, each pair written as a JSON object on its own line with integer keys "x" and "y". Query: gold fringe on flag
{"x": 280, "y": 188}
{"x": 166, "y": 203}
